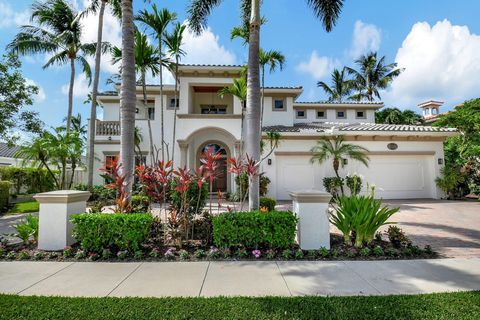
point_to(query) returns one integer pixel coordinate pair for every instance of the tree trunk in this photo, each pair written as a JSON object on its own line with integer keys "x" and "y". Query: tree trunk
{"x": 149, "y": 124}
{"x": 263, "y": 98}
{"x": 336, "y": 165}
{"x": 162, "y": 123}
{"x": 128, "y": 96}
{"x": 93, "y": 108}
{"x": 175, "y": 110}
{"x": 70, "y": 94}
{"x": 253, "y": 102}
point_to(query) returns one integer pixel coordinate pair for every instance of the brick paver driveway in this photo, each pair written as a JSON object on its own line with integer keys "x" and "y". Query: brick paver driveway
{"x": 451, "y": 227}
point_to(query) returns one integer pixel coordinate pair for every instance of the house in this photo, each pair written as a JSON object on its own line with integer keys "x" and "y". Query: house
{"x": 430, "y": 111}
{"x": 7, "y": 155}
{"x": 404, "y": 159}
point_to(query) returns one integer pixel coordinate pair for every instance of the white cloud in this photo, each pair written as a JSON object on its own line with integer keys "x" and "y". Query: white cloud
{"x": 205, "y": 49}
{"x": 80, "y": 87}
{"x": 317, "y": 66}
{"x": 10, "y": 18}
{"x": 441, "y": 62}
{"x": 366, "y": 38}
{"x": 40, "y": 96}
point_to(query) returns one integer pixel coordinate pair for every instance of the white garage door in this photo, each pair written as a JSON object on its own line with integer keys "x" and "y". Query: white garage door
{"x": 400, "y": 177}
{"x": 394, "y": 177}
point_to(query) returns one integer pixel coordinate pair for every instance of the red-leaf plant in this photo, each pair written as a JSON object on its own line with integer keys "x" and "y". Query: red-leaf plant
{"x": 209, "y": 161}
{"x": 248, "y": 166}
{"x": 155, "y": 180}
{"x": 116, "y": 177}
{"x": 237, "y": 166}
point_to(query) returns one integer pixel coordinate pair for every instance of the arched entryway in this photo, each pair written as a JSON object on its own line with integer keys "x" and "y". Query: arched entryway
{"x": 221, "y": 175}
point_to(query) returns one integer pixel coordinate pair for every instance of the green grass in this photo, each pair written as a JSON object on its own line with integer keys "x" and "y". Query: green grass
{"x": 25, "y": 207}
{"x": 432, "y": 306}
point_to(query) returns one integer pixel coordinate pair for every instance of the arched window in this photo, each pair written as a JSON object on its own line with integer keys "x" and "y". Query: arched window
{"x": 215, "y": 148}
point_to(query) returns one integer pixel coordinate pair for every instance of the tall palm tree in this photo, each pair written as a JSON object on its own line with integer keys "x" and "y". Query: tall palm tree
{"x": 97, "y": 6}
{"x": 128, "y": 97}
{"x": 158, "y": 22}
{"x": 237, "y": 89}
{"x": 340, "y": 86}
{"x": 174, "y": 43}
{"x": 271, "y": 58}
{"x": 57, "y": 31}
{"x": 327, "y": 11}
{"x": 372, "y": 76}
{"x": 146, "y": 60}
{"x": 336, "y": 149}
{"x": 411, "y": 117}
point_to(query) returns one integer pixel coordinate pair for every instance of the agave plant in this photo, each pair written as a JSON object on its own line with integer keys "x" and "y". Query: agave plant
{"x": 361, "y": 216}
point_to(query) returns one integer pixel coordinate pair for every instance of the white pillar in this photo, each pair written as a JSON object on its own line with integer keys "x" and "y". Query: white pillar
{"x": 313, "y": 229}
{"x": 56, "y": 207}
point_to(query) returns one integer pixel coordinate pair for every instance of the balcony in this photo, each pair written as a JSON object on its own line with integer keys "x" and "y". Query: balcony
{"x": 107, "y": 128}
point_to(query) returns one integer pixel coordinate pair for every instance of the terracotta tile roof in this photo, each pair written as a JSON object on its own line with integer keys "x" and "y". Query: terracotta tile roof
{"x": 285, "y": 87}
{"x": 334, "y": 103}
{"x": 211, "y": 65}
{"x": 108, "y": 93}
{"x": 6, "y": 151}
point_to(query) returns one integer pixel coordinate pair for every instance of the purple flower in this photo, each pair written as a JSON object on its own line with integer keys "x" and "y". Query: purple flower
{"x": 256, "y": 253}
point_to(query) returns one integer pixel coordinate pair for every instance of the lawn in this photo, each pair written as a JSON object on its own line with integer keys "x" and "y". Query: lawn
{"x": 25, "y": 207}
{"x": 432, "y": 306}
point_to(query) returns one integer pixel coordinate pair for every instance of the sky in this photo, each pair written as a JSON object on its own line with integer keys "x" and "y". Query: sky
{"x": 436, "y": 41}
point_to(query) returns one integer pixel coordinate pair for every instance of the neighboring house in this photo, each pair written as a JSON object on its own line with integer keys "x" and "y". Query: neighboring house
{"x": 7, "y": 155}
{"x": 404, "y": 160}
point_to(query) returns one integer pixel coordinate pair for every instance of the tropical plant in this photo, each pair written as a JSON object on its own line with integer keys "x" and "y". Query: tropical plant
{"x": 174, "y": 42}
{"x": 373, "y": 75}
{"x": 210, "y": 165}
{"x": 199, "y": 10}
{"x": 360, "y": 217}
{"x": 158, "y": 21}
{"x": 451, "y": 181}
{"x": 340, "y": 87}
{"x": 354, "y": 183}
{"x": 271, "y": 58}
{"x": 336, "y": 149}
{"x": 116, "y": 180}
{"x": 333, "y": 185}
{"x": 396, "y": 116}
{"x": 27, "y": 229}
{"x": 97, "y": 6}
{"x": 57, "y": 31}
{"x": 147, "y": 59}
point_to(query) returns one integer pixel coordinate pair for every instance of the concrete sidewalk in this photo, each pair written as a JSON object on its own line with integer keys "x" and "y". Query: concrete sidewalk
{"x": 241, "y": 278}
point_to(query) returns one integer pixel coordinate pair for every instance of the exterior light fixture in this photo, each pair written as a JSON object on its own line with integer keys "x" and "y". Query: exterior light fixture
{"x": 345, "y": 161}
{"x": 440, "y": 161}
{"x": 269, "y": 161}
{"x": 110, "y": 138}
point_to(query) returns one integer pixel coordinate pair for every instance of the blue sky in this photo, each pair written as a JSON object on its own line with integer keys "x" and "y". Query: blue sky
{"x": 435, "y": 40}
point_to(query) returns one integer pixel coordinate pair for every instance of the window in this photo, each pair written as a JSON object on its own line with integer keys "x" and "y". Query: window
{"x": 301, "y": 114}
{"x": 278, "y": 105}
{"x": 214, "y": 109}
{"x": 151, "y": 113}
{"x": 171, "y": 102}
{"x": 340, "y": 114}
{"x": 321, "y": 115}
{"x": 361, "y": 114}
{"x": 110, "y": 163}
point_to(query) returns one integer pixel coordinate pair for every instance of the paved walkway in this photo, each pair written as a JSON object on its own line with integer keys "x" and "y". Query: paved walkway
{"x": 256, "y": 278}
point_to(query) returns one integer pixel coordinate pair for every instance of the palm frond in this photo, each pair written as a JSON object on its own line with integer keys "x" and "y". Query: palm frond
{"x": 328, "y": 11}
{"x": 198, "y": 13}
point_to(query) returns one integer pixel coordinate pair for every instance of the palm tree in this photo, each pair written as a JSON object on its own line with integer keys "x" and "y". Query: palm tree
{"x": 57, "y": 31}
{"x": 97, "y": 6}
{"x": 372, "y": 76}
{"x": 273, "y": 59}
{"x": 237, "y": 89}
{"x": 340, "y": 86}
{"x": 327, "y": 11}
{"x": 174, "y": 43}
{"x": 128, "y": 97}
{"x": 138, "y": 142}
{"x": 411, "y": 117}
{"x": 146, "y": 60}
{"x": 158, "y": 21}
{"x": 336, "y": 149}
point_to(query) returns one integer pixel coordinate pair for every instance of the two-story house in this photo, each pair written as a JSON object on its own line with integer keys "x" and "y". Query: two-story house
{"x": 404, "y": 160}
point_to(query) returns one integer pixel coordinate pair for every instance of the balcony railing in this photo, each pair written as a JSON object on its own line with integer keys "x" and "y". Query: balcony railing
{"x": 108, "y": 128}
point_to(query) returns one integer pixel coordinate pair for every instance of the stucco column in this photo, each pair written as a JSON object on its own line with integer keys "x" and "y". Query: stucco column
{"x": 313, "y": 229}
{"x": 56, "y": 207}
{"x": 183, "y": 153}
{"x": 238, "y": 151}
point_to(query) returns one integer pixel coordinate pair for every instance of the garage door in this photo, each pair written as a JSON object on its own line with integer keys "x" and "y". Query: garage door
{"x": 293, "y": 173}
{"x": 400, "y": 177}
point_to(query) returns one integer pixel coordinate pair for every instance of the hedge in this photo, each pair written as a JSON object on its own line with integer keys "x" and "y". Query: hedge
{"x": 269, "y": 203}
{"x": 29, "y": 180}
{"x": 255, "y": 229}
{"x": 98, "y": 231}
{"x": 4, "y": 194}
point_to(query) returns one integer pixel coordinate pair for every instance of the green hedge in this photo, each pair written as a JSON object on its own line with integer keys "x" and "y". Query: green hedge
{"x": 274, "y": 229}
{"x": 98, "y": 231}
{"x": 29, "y": 180}
{"x": 268, "y": 203}
{"x": 4, "y": 195}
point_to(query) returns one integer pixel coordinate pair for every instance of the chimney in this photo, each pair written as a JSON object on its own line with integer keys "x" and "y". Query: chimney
{"x": 430, "y": 109}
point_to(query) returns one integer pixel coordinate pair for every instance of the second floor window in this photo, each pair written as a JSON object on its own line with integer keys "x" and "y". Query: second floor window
{"x": 278, "y": 104}
{"x": 301, "y": 114}
{"x": 214, "y": 109}
{"x": 171, "y": 102}
{"x": 360, "y": 114}
{"x": 341, "y": 114}
{"x": 320, "y": 114}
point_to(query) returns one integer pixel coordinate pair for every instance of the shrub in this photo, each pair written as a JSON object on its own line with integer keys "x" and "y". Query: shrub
{"x": 39, "y": 255}
{"x": 268, "y": 203}
{"x": 99, "y": 192}
{"x": 184, "y": 255}
{"x": 196, "y": 198}
{"x": 397, "y": 237}
{"x": 24, "y": 255}
{"x": 451, "y": 181}
{"x": 287, "y": 254}
{"x": 199, "y": 254}
{"x": 140, "y": 203}
{"x": 4, "y": 195}
{"x": 378, "y": 251}
{"x": 275, "y": 229}
{"x": 299, "y": 254}
{"x": 324, "y": 252}
{"x": 365, "y": 252}
{"x": 68, "y": 252}
{"x": 29, "y": 180}
{"x": 361, "y": 216}
{"x": 100, "y": 231}
{"x": 242, "y": 184}
{"x": 354, "y": 184}
{"x": 333, "y": 185}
